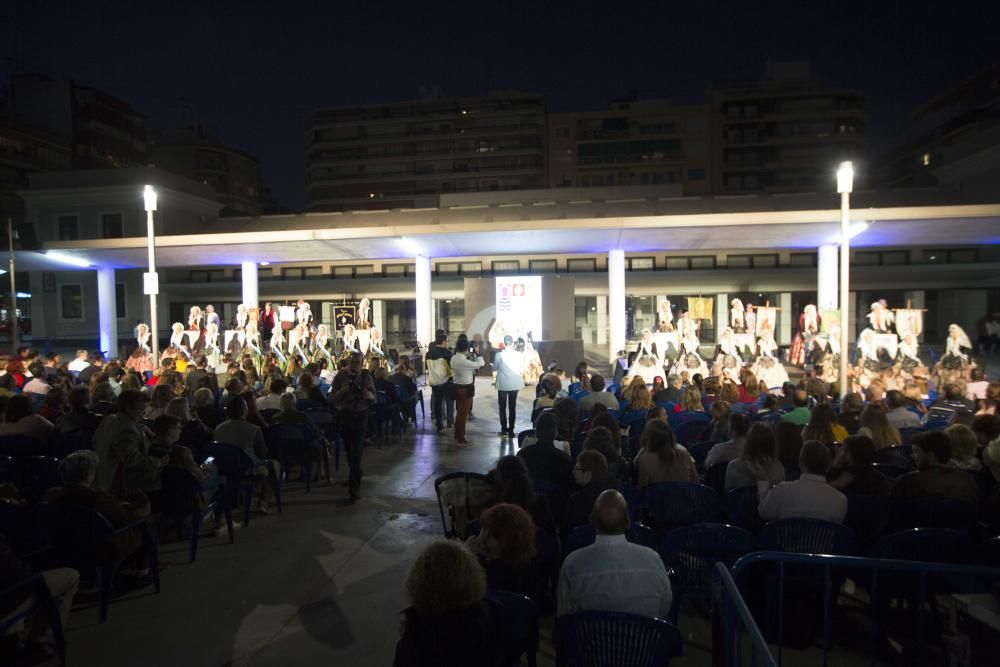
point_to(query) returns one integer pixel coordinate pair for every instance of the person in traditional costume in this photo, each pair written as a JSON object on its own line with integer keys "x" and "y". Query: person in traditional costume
{"x": 956, "y": 363}
{"x": 825, "y": 356}
{"x": 364, "y": 313}
{"x": 278, "y": 348}
{"x": 687, "y": 324}
{"x": 349, "y": 341}
{"x": 869, "y": 362}
{"x": 690, "y": 360}
{"x": 750, "y": 317}
{"x": 177, "y": 339}
{"x": 213, "y": 352}
{"x": 809, "y": 326}
{"x": 737, "y": 317}
{"x": 298, "y": 340}
{"x": 880, "y": 318}
{"x": 767, "y": 367}
{"x": 320, "y": 350}
{"x": 141, "y": 358}
{"x": 646, "y": 362}
{"x": 727, "y": 361}
{"x": 241, "y": 317}
{"x": 533, "y": 369}
{"x": 252, "y": 341}
{"x": 304, "y": 315}
{"x": 666, "y": 319}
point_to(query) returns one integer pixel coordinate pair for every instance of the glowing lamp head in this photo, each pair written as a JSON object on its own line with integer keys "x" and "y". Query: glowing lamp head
{"x": 149, "y": 197}
{"x": 845, "y": 178}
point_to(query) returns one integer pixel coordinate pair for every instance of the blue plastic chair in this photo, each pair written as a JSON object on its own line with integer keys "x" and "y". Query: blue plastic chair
{"x": 180, "y": 501}
{"x": 909, "y": 433}
{"x": 523, "y": 617}
{"x": 268, "y": 415}
{"x": 741, "y": 506}
{"x": 699, "y": 451}
{"x": 241, "y": 482}
{"x": 932, "y": 513}
{"x": 807, "y": 536}
{"x": 291, "y": 444}
{"x": 79, "y": 538}
{"x": 613, "y": 388}
{"x": 36, "y": 587}
{"x": 584, "y": 535}
{"x": 325, "y": 420}
{"x": 678, "y": 418}
{"x": 690, "y": 554}
{"x": 611, "y": 639}
{"x": 930, "y": 545}
{"x": 673, "y": 504}
{"x": 633, "y": 498}
{"x": 715, "y": 477}
{"x": 633, "y": 420}
{"x": 691, "y": 432}
{"x": 666, "y": 405}
{"x": 900, "y": 456}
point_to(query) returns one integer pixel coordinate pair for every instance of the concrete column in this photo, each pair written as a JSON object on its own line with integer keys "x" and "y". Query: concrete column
{"x": 39, "y": 314}
{"x": 786, "y": 318}
{"x": 721, "y": 314}
{"x": 602, "y": 321}
{"x": 107, "y": 318}
{"x": 826, "y": 278}
{"x": 616, "y": 303}
{"x": 425, "y": 317}
{"x": 251, "y": 298}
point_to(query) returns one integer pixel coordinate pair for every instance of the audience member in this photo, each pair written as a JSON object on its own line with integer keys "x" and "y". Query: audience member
{"x": 672, "y": 391}
{"x": 613, "y": 574}
{"x": 511, "y": 483}
{"x": 975, "y": 388}
{"x": 661, "y": 459}
{"x": 724, "y": 452}
{"x": 788, "y": 440}
{"x": 853, "y": 473}
{"x": 38, "y": 384}
{"x": 951, "y": 403}
{"x": 505, "y": 546}
{"x": 690, "y": 401}
{"x": 718, "y": 426}
{"x": 897, "y": 414}
{"x": 850, "y": 412}
{"x": 194, "y": 435}
{"x": 964, "y": 447}
{"x": 237, "y": 431}
{"x": 544, "y": 460}
{"x": 875, "y": 425}
{"x": 759, "y": 464}
{"x": 823, "y": 425}
{"x": 598, "y": 395}
{"x": 934, "y": 478}
{"x": 126, "y": 463}
{"x": 601, "y": 439}
{"x": 20, "y": 419}
{"x": 799, "y": 414}
{"x": 591, "y": 475}
{"x": 808, "y": 497}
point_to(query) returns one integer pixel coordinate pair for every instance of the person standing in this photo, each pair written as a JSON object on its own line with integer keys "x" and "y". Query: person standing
{"x": 352, "y": 396}
{"x": 437, "y": 363}
{"x": 268, "y": 320}
{"x": 212, "y": 317}
{"x": 509, "y": 365}
{"x": 464, "y": 363}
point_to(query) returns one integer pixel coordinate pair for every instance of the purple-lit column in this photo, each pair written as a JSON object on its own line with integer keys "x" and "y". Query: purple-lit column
{"x": 107, "y": 322}
{"x": 616, "y": 303}
{"x": 422, "y": 280}
{"x": 251, "y": 299}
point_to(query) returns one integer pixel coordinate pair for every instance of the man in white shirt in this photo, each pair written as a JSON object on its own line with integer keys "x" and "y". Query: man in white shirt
{"x": 509, "y": 366}
{"x": 37, "y": 384}
{"x": 724, "y": 452}
{"x": 809, "y": 497}
{"x": 597, "y": 395}
{"x": 975, "y": 389}
{"x": 80, "y": 362}
{"x": 896, "y": 412}
{"x": 272, "y": 399}
{"x": 613, "y": 574}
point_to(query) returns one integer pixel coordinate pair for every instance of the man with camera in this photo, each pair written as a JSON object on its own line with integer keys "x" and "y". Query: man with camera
{"x": 464, "y": 363}
{"x": 352, "y": 396}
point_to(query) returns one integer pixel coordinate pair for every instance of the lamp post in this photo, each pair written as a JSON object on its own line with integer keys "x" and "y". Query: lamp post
{"x": 150, "y": 282}
{"x": 845, "y": 184}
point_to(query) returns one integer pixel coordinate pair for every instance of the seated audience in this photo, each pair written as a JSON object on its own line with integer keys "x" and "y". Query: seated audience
{"x": 672, "y": 391}
{"x": 613, "y": 574}
{"x": 850, "y": 412}
{"x": 505, "y": 546}
{"x": 788, "y": 440}
{"x": 975, "y": 388}
{"x": 511, "y": 483}
{"x": 723, "y": 452}
{"x": 271, "y": 400}
{"x": 964, "y": 447}
{"x": 205, "y": 409}
{"x": 126, "y": 463}
{"x": 568, "y": 414}
{"x": 592, "y": 477}
{"x": 38, "y": 384}
{"x": 19, "y": 418}
{"x": 799, "y": 414}
{"x": 690, "y": 401}
{"x": 934, "y": 478}
{"x": 718, "y": 427}
{"x": 544, "y": 460}
{"x": 822, "y": 425}
{"x": 661, "y": 459}
{"x": 808, "y": 497}
{"x": 601, "y": 439}
{"x": 875, "y": 425}
{"x": 308, "y": 391}
{"x": 450, "y": 621}
{"x": 853, "y": 473}
{"x": 598, "y": 395}
{"x": 236, "y": 430}
{"x": 55, "y": 404}
{"x": 162, "y": 394}
{"x": 759, "y": 464}
{"x": 897, "y": 413}
{"x": 78, "y": 421}
{"x": 951, "y": 403}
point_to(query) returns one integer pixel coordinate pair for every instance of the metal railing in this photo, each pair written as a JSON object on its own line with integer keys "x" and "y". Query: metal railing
{"x": 960, "y": 576}
{"x": 737, "y": 620}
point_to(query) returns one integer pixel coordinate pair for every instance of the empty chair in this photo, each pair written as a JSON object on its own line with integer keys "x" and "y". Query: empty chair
{"x": 610, "y": 639}
{"x": 673, "y": 504}
{"x": 462, "y": 497}
{"x": 807, "y": 536}
{"x": 293, "y": 444}
{"x": 715, "y": 477}
{"x": 908, "y": 434}
{"x": 182, "y": 495}
{"x": 242, "y": 482}
{"x": 690, "y": 554}
{"x": 325, "y": 420}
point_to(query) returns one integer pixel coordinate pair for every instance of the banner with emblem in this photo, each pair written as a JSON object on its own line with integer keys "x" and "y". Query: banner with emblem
{"x": 767, "y": 319}
{"x": 701, "y": 308}
{"x": 909, "y": 321}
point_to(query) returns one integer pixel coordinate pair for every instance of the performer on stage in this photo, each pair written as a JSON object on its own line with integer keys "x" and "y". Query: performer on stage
{"x": 349, "y": 341}
{"x": 809, "y": 326}
{"x": 767, "y": 367}
{"x": 880, "y": 318}
{"x": 727, "y": 361}
{"x": 278, "y": 349}
{"x": 304, "y": 315}
{"x": 825, "y": 356}
{"x": 737, "y": 317}
{"x": 251, "y": 339}
{"x": 298, "y": 335}
{"x": 322, "y": 339}
{"x": 750, "y": 317}
{"x": 687, "y": 324}
{"x": 364, "y": 314}
{"x": 195, "y": 324}
{"x": 213, "y": 352}
{"x": 177, "y": 339}
{"x": 212, "y": 317}
{"x": 267, "y": 321}
{"x": 375, "y": 347}
{"x": 141, "y": 359}
{"x": 646, "y": 364}
{"x": 955, "y": 364}
{"x": 690, "y": 360}
{"x": 533, "y": 369}
{"x": 241, "y": 317}
{"x": 666, "y": 319}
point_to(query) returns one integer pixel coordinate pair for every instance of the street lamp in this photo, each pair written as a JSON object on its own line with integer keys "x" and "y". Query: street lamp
{"x": 845, "y": 184}
{"x": 150, "y": 282}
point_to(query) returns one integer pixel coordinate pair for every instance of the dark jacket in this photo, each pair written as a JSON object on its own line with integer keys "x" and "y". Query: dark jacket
{"x": 546, "y": 463}
{"x": 478, "y": 636}
{"x": 581, "y": 504}
{"x": 937, "y": 482}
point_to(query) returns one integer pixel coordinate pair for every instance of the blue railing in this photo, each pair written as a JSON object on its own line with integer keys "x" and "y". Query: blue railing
{"x": 963, "y": 577}
{"x": 736, "y": 619}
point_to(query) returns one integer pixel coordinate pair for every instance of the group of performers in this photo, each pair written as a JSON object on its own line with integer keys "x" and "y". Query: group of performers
{"x": 887, "y": 347}
{"x": 264, "y": 337}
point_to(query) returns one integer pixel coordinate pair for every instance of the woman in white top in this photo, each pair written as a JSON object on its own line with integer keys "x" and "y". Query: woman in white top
{"x": 177, "y": 339}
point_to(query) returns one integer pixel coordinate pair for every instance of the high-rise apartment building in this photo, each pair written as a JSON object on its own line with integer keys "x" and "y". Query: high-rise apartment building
{"x": 193, "y": 152}
{"x": 406, "y": 154}
{"x": 634, "y": 142}
{"x": 785, "y": 133}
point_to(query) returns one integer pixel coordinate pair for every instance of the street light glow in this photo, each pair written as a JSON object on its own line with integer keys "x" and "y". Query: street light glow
{"x": 65, "y": 258}
{"x": 409, "y": 246}
{"x": 149, "y": 197}
{"x": 852, "y": 231}
{"x": 845, "y": 177}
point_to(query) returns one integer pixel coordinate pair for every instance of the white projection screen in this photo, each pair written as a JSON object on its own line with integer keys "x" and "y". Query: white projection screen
{"x": 519, "y": 306}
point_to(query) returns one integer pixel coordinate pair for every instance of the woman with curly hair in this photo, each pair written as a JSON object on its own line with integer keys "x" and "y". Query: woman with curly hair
{"x": 450, "y": 621}
{"x": 505, "y": 546}
{"x": 636, "y": 387}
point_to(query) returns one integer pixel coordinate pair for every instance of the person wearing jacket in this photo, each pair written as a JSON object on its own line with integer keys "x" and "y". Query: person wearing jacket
{"x": 438, "y": 368}
{"x": 509, "y": 366}
{"x": 464, "y": 364}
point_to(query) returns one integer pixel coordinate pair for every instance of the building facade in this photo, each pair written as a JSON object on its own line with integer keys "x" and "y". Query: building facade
{"x": 193, "y": 153}
{"x": 785, "y": 133}
{"x": 633, "y": 142}
{"x": 406, "y": 154}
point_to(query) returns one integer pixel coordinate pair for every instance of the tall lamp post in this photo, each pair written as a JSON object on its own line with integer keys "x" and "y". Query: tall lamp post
{"x": 150, "y": 281}
{"x": 845, "y": 184}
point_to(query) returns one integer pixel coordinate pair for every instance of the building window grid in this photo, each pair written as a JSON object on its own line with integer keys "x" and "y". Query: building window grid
{"x": 881, "y": 258}
{"x": 207, "y": 276}
{"x": 950, "y": 256}
{"x": 762, "y": 261}
{"x": 506, "y": 266}
{"x": 71, "y": 301}
{"x": 581, "y": 265}
{"x": 396, "y": 270}
{"x": 640, "y": 263}
{"x": 69, "y": 228}
{"x": 689, "y": 263}
{"x": 112, "y": 225}
{"x": 543, "y": 266}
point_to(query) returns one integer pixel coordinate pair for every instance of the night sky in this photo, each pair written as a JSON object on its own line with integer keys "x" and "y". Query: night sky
{"x": 255, "y": 70}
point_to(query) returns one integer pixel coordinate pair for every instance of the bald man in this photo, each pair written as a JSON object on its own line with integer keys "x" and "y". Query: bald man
{"x": 613, "y": 574}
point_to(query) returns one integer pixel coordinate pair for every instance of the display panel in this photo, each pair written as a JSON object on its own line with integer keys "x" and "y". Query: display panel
{"x": 519, "y": 306}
